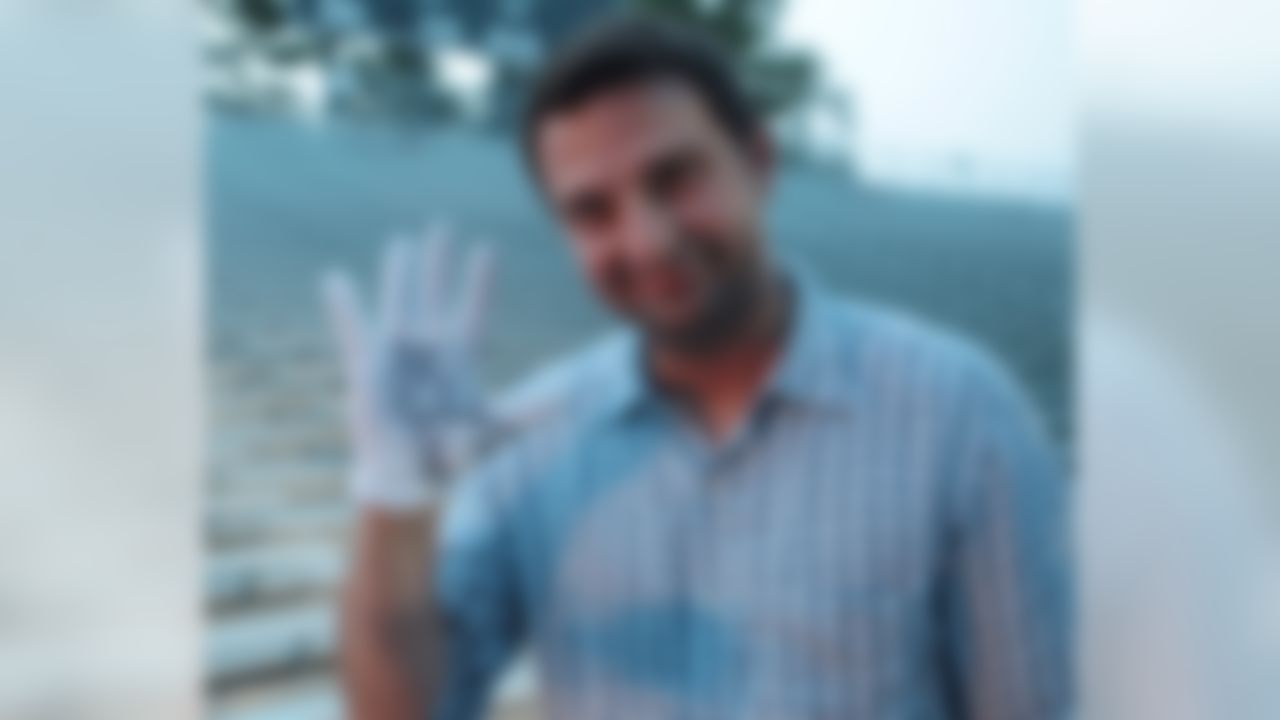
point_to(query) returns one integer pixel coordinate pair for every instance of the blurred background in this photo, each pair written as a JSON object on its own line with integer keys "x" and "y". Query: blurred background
{"x": 121, "y": 178}
{"x": 926, "y": 164}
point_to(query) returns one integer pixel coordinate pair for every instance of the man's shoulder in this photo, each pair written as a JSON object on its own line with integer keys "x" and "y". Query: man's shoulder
{"x": 571, "y": 384}
{"x": 884, "y": 342}
{"x": 896, "y": 359}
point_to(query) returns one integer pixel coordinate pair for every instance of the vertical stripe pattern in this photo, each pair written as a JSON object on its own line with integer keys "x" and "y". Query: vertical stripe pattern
{"x": 883, "y": 538}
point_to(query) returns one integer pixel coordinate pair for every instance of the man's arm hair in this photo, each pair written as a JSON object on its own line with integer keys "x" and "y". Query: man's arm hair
{"x": 394, "y": 630}
{"x": 392, "y": 644}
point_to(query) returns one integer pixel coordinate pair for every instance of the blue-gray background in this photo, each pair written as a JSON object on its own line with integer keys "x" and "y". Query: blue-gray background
{"x": 287, "y": 201}
{"x": 344, "y": 148}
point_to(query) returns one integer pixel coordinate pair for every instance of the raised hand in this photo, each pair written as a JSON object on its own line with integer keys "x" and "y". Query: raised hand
{"x": 415, "y": 406}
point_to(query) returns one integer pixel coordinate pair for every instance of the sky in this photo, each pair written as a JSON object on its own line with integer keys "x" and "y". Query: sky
{"x": 968, "y": 96}
{"x": 939, "y": 83}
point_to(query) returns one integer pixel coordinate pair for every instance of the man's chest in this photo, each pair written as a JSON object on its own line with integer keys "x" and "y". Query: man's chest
{"x": 798, "y": 558}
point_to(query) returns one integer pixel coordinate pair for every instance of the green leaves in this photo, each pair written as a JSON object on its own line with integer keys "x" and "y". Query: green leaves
{"x": 777, "y": 80}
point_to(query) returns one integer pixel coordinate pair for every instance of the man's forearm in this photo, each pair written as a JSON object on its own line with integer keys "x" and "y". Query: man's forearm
{"x": 415, "y": 411}
{"x": 391, "y": 647}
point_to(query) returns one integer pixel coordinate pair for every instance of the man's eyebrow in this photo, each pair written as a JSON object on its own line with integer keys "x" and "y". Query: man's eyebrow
{"x": 675, "y": 153}
{"x": 677, "y": 156}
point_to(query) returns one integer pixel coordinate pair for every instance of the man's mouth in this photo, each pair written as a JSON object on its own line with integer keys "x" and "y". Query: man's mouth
{"x": 667, "y": 284}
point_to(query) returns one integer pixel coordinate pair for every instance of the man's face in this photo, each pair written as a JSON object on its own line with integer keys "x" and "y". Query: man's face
{"x": 661, "y": 204}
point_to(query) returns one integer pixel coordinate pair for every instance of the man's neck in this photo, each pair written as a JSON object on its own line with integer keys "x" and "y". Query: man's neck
{"x": 720, "y": 383}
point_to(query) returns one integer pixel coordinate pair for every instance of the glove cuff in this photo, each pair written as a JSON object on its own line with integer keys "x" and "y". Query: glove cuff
{"x": 393, "y": 484}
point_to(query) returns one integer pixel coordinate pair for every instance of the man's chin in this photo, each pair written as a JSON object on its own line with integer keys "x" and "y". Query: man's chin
{"x": 702, "y": 323}
{"x": 689, "y": 334}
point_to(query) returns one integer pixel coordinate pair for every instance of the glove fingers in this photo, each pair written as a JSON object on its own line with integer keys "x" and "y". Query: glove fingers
{"x": 396, "y": 301}
{"x": 473, "y": 300}
{"x": 433, "y": 282}
{"x": 346, "y": 322}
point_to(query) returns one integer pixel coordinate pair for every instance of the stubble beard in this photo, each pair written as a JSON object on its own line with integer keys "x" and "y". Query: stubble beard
{"x": 736, "y": 311}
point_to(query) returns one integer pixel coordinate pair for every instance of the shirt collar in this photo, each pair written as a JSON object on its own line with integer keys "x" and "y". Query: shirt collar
{"x": 627, "y": 387}
{"x": 808, "y": 373}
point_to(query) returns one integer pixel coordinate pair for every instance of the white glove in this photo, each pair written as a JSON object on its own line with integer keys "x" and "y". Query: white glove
{"x": 415, "y": 407}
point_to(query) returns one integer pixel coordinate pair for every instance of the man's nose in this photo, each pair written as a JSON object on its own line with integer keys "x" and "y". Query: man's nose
{"x": 649, "y": 230}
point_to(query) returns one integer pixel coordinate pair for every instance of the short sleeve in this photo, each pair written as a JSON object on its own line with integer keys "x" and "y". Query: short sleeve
{"x": 1009, "y": 595}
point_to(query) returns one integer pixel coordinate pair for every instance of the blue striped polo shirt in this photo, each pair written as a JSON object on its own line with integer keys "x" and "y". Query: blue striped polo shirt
{"x": 884, "y": 537}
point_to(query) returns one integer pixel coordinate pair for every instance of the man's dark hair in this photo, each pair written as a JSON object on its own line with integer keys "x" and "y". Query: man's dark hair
{"x": 634, "y": 47}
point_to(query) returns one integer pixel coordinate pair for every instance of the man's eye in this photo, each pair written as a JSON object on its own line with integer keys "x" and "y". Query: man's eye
{"x": 589, "y": 211}
{"x": 673, "y": 175}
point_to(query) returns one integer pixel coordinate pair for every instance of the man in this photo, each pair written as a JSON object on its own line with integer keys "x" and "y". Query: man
{"x": 759, "y": 501}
